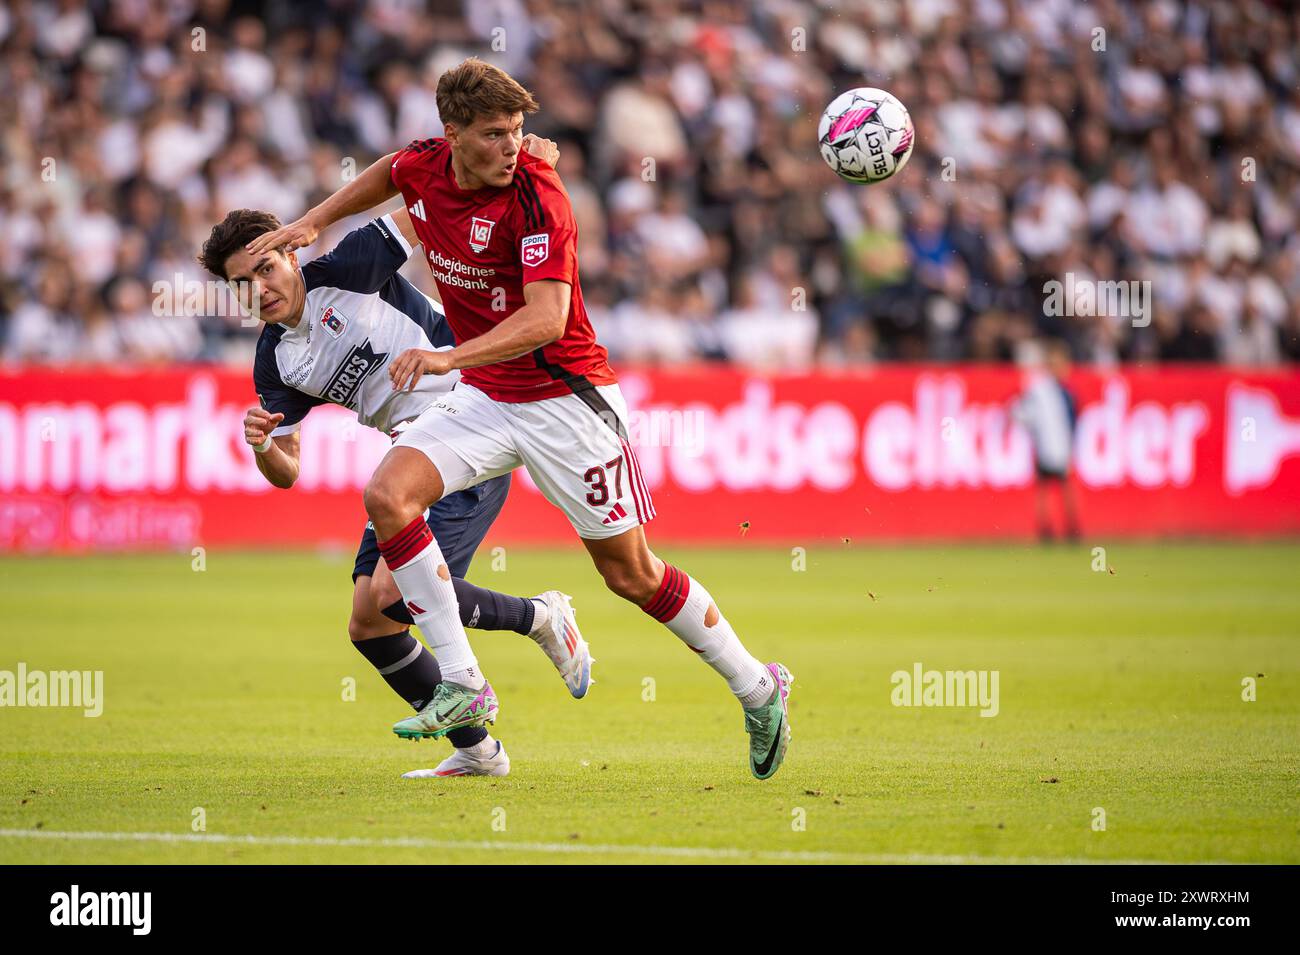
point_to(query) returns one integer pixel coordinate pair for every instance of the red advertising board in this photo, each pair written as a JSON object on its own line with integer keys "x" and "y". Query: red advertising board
{"x": 103, "y": 459}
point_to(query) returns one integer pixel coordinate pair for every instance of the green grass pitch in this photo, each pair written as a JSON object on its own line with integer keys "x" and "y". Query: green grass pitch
{"x": 1120, "y": 692}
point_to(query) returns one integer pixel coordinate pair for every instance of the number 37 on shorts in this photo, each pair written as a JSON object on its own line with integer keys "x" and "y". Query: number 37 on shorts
{"x": 574, "y": 447}
{"x": 597, "y": 478}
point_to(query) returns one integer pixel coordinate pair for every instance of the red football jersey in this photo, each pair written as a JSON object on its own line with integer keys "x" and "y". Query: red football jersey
{"x": 483, "y": 246}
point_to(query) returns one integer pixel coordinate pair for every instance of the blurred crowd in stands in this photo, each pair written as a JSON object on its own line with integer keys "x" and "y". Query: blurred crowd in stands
{"x": 1104, "y": 141}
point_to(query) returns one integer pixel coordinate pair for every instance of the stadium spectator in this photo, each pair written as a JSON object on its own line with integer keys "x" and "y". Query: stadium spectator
{"x": 1169, "y": 153}
{"x": 1048, "y": 410}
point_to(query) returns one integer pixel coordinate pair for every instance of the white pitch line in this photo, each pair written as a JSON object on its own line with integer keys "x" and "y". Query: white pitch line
{"x": 574, "y": 848}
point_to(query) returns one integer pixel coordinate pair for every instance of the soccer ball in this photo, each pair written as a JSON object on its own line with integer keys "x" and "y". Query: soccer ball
{"x": 865, "y": 135}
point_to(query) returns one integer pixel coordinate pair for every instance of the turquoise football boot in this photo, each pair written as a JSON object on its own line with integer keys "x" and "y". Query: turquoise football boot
{"x": 768, "y": 726}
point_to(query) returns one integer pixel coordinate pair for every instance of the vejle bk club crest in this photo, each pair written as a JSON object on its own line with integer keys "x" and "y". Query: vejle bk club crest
{"x": 480, "y": 233}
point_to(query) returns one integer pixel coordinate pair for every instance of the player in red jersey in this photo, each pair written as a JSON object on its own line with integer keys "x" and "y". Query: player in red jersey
{"x": 535, "y": 390}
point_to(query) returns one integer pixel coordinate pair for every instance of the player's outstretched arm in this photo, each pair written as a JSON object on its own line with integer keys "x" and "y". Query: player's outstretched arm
{"x": 371, "y": 188}
{"x": 541, "y": 321}
{"x": 277, "y": 458}
{"x": 402, "y": 219}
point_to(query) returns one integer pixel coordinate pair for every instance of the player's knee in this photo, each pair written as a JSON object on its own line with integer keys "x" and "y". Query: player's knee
{"x": 384, "y": 592}
{"x": 362, "y": 627}
{"x": 377, "y": 500}
{"x": 630, "y": 581}
{"x": 385, "y": 504}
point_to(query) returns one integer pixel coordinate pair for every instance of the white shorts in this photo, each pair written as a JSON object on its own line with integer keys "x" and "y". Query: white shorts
{"x": 575, "y": 448}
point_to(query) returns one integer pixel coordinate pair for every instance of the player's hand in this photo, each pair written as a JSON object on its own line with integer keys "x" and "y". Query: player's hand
{"x": 543, "y": 149}
{"x": 296, "y": 235}
{"x": 408, "y": 367}
{"x": 258, "y": 425}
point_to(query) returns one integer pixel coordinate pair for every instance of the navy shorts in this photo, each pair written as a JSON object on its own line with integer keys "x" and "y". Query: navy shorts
{"x": 459, "y": 523}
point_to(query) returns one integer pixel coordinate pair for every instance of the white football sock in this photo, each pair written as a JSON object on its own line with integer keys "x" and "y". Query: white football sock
{"x": 718, "y": 645}
{"x": 414, "y": 558}
{"x": 483, "y": 749}
{"x": 541, "y": 613}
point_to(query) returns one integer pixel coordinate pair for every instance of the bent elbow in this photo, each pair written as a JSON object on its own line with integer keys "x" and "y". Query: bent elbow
{"x": 555, "y": 326}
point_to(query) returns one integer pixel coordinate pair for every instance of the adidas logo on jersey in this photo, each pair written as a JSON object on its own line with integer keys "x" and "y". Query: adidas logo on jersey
{"x": 417, "y": 210}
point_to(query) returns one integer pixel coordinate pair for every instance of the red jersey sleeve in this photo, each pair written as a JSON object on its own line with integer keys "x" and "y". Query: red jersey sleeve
{"x": 548, "y": 234}
{"x": 416, "y": 154}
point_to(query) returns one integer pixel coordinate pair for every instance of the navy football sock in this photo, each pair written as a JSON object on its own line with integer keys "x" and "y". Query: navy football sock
{"x": 397, "y": 611}
{"x": 488, "y": 610}
{"x": 481, "y": 609}
{"x": 412, "y": 671}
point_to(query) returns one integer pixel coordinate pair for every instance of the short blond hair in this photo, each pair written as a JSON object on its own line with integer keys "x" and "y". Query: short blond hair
{"x": 475, "y": 88}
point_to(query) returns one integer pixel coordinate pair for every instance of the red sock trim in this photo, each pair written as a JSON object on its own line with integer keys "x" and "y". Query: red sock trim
{"x": 671, "y": 596}
{"x": 406, "y": 544}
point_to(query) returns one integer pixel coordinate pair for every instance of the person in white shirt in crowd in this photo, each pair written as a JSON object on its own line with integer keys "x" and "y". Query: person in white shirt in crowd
{"x": 1046, "y": 409}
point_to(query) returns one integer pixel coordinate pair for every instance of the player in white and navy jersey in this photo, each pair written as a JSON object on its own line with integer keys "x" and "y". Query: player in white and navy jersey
{"x": 331, "y": 328}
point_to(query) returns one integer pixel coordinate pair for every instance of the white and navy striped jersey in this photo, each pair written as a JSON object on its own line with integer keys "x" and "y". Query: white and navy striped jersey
{"x": 359, "y": 314}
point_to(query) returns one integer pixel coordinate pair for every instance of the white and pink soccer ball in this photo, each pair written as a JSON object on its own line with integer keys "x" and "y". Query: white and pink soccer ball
{"x": 865, "y": 135}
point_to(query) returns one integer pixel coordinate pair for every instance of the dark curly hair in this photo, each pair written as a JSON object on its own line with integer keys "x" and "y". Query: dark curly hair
{"x": 235, "y": 231}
